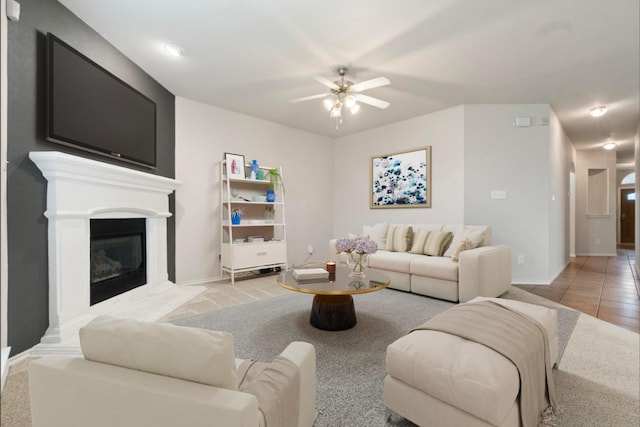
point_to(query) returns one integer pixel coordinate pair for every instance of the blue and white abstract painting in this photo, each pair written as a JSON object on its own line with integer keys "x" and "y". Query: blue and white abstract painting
{"x": 402, "y": 179}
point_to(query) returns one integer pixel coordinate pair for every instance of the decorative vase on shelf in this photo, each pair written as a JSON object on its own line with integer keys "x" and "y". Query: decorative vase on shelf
{"x": 235, "y": 219}
{"x": 254, "y": 169}
{"x": 356, "y": 262}
{"x": 271, "y": 196}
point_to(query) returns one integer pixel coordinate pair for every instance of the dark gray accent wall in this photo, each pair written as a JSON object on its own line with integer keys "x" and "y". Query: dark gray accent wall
{"x": 28, "y": 312}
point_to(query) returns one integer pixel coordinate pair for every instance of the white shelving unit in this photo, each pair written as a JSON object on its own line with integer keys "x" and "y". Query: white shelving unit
{"x": 239, "y": 254}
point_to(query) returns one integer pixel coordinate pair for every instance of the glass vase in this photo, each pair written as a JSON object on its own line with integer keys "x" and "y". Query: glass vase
{"x": 356, "y": 263}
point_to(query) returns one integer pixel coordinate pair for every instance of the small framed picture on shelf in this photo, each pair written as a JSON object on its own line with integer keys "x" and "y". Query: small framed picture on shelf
{"x": 234, "y": 165}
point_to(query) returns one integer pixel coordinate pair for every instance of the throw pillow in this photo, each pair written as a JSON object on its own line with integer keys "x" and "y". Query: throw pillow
{"x": 191, "y": 354}
{"x": 377, "y": 233}
{"x": 398, "y": 238}
{"x": 465, "y": 245}
{"x": 419, "y": 240}
{"x": 436, "y": 242}
{"x": 475, "y": 236}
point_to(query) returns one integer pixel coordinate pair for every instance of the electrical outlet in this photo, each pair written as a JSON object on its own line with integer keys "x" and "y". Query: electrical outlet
{"x": 597, "y": 241}
{"x": 310, "y": 249}
{"x": 520, "y": 259}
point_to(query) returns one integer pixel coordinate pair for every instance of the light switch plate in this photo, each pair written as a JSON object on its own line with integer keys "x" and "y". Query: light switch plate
{"x": 498, "y": 194}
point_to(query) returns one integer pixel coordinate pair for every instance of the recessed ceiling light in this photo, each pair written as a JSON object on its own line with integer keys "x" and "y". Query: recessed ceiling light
{"x": 598, "y": 111}
{"x": 173, "y": 49}
{"x": 609, "y": 146}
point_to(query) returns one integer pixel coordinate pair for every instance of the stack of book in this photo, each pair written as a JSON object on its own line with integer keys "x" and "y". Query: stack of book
{"x": 311, "y": 274}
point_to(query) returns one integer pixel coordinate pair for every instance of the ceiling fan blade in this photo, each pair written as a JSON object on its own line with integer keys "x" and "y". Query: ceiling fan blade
{"x": 370, "y": 84}
{"x": 309, "y": 98}
{"x": 372, "y": 101}
{"x": 328, "y": 83}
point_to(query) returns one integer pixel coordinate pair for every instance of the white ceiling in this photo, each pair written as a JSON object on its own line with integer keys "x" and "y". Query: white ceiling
{"x": 254, "y": 56}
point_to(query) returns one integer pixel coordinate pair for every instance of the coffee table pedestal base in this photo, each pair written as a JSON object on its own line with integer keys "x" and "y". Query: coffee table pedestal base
{"x": 333, "y": 312}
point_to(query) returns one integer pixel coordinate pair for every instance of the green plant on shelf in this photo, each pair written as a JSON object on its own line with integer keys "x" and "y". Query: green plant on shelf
{"x": 275, "y": 179}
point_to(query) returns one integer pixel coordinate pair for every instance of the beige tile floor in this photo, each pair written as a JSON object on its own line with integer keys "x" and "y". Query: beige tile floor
{"x": 604, "y": 287}
{"x": 223, "y": 294}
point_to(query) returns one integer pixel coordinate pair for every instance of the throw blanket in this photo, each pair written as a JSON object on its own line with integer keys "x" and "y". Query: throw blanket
{"x": 276, "y": 385}
{"x": 519, "y": 338}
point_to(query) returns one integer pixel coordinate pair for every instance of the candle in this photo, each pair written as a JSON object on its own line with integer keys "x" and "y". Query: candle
{"x": 331, "y": 267}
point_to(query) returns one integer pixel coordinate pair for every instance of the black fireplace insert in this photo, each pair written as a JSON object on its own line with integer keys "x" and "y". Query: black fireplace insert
{"x": 118, "y": 257}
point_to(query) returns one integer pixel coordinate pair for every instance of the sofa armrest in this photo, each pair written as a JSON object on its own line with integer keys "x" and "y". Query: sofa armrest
{"x": 484, "y": 271}
{"x": 70, "y": 391}
{"x": 303, "y": 355}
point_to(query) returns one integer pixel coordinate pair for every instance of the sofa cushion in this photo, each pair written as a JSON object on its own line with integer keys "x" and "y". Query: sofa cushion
{"x": 393, "y": 261}
{"x": 475, "y": 234}
{"x": 465, "y": 245}
{"x": 398, "y": 238}
{"x": 437, "y": 242}
{"x": 466, "y": 375}
{"x": 191, "y": 354}
{"x": 377, "y": 233}
{"x": 419, "y": 239}
{"x": 435, "y": 267}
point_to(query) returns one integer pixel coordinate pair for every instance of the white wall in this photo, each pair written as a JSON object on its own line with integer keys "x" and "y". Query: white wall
{"x": 203, "y": 134}
{"x": 443, "y": 131}
{"x": 595, "y": 235}
{"x": 500, "y": 156}
{"x": 562, "y": 155}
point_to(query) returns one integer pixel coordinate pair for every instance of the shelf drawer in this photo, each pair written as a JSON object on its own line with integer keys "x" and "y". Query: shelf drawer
{"x": 246, "y": 255}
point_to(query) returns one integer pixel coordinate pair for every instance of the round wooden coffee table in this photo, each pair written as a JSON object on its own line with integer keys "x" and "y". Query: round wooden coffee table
{"x": 332, "y": 308}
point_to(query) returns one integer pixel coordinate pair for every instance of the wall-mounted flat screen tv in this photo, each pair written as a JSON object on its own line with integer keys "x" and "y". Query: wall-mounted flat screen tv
{"x": 91, "y": 109}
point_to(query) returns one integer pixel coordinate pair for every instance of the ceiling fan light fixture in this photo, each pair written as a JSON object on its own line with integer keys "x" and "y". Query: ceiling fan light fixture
{"x": 609, "y": 146}
{"x": 598, "y": 111}
{"x": 349, "y": 101}
{"x": 344, "y": 93}
{"x": 328, "y": 104}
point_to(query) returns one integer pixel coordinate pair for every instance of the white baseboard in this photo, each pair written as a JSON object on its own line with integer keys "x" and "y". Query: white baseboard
{"x": 614, "y": 254}
{"x": 531, "y": 282}
{"x": 201, "y": 281}
{"x": 4, "y": 365}
{"x": 559, "y": 272}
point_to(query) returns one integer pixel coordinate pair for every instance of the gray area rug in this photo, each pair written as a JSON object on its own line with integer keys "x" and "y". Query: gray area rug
{"x": 350, "y": 364}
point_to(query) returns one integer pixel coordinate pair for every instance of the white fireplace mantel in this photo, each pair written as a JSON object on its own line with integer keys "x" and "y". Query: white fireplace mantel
{"x": 79, "y": 190}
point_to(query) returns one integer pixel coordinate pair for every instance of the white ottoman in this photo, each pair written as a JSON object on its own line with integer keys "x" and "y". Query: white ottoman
{"x": 437, "y": 379}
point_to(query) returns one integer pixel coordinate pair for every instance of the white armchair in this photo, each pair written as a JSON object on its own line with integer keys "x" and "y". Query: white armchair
{"x": 147, "y": 374}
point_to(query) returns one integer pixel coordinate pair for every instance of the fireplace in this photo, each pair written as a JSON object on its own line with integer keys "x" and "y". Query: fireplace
{"x": 80, "y": 194}
{"x": 117, "y": 257}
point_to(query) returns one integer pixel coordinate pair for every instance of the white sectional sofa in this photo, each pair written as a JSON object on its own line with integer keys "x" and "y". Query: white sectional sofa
{"x": 480, "y": 269}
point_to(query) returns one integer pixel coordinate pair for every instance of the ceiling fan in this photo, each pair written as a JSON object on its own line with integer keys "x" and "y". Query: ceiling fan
{"x": 346, "y": 94}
